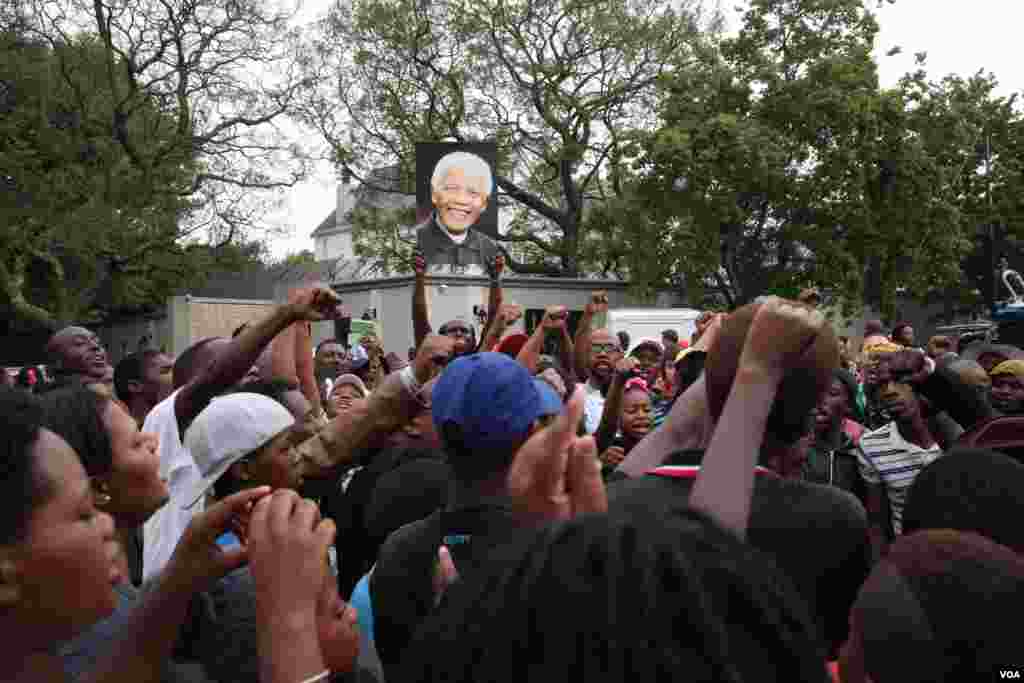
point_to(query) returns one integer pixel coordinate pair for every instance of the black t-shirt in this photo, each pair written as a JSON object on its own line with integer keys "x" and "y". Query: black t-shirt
{"x": 817, "y": 534}
{"x": 357, "y": 546}
{"x": 401, "y": 586}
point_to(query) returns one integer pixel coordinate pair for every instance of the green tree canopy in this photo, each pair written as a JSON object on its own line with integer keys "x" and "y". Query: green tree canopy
{"x": 781, "y": 164}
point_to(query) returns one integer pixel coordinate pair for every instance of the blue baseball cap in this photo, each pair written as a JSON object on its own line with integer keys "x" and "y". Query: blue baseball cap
{"x": 550, "y": 404}
{"x": 491, "y": 399}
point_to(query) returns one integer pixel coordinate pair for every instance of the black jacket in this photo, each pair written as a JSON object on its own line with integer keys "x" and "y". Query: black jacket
{"x": 472, "y": 257}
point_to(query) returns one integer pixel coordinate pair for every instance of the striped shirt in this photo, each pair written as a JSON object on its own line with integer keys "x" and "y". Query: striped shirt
{"x": 887, "y": 458}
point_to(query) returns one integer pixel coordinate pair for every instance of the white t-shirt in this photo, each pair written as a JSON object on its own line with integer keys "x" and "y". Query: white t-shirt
{"x": 593, "y": 407}
{"x": 164, "y": 529}
{"x": 887, "y": 458}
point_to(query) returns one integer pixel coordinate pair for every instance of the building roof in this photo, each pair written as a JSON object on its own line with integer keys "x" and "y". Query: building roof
{"x": 327, "y": 225}
{"x": 383, "y": 191}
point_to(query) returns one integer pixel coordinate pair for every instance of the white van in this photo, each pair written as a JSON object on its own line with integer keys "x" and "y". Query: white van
{"x": 648, "y": 323}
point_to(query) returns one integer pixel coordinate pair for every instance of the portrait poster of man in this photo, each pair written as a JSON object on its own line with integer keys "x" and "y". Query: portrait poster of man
{"x": 456, "y": 207}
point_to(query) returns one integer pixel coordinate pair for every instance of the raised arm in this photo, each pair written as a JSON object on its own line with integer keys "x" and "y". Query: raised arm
{"x": 529, "y": 355}
{"x": 375, "y": 360}
{"x": 304, "y": 366}
{"x": 508, "y": 314}
{"x": 282, "y": 356}
{"x": 581, "y": 347}
{"x": 420, "y": 318}
{"x": 495, "y": 297}
{"x": 292, "y": 360}
{"x": 566, "y": 349}
{"x": 241, "y": 353}
{"x": 392, "y": 405}
{"x": 779, "y": 335}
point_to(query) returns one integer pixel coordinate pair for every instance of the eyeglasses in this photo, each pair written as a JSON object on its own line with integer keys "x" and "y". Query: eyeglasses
{"x": 456, "y": 332}
{"x": 605, "y": 348}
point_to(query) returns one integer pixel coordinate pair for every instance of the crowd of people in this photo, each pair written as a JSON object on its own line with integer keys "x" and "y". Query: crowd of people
{"x": 763, "y": 500}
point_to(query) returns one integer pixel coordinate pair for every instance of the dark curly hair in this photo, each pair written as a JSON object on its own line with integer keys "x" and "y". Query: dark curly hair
{"x": 22, "y": 485}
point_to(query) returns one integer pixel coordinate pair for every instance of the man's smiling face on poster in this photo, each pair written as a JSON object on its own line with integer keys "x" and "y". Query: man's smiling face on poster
{"x": 460, "y": 192}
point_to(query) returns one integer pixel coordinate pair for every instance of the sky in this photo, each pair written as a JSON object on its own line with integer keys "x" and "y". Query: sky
{"x": 958, "y": 36}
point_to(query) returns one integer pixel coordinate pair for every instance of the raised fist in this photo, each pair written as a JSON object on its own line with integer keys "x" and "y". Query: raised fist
{"x": 554, "y": 317}
{"x": 320, "y": 303}
{"x": 780, "y": 334}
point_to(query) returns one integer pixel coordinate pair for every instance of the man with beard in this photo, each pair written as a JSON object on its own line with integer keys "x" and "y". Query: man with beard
{"x": 892, "y": 455}
{"x": 77, "y": 354}
{"x": 596, "y": 353}
{"x": 605, "y": 352}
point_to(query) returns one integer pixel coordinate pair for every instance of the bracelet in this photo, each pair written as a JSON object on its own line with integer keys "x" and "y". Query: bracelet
{"x": 322, "y": 676}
